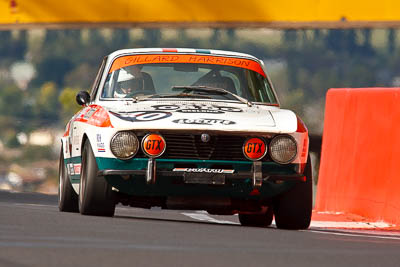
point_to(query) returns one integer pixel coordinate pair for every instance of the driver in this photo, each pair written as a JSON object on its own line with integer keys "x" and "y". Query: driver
{"x": 130, "y": 82}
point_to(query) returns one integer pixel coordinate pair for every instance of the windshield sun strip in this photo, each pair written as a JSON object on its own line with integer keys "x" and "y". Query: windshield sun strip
{"x": 129, "y": 60}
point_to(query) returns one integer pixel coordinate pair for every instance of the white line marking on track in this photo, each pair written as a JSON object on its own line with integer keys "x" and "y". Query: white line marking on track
{"x": 358, "y": 225}
{"x": 204, "y": 217}
{"x": 326, "y": 228}
{"x": 352, "y": 235}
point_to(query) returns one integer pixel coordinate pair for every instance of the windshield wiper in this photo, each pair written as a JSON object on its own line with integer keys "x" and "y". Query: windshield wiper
{"x": 209, "y": 89}
{"x": 183, "y": 95}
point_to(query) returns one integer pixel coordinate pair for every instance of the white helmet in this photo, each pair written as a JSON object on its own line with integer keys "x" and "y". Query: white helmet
{"x": 125, "y": 81}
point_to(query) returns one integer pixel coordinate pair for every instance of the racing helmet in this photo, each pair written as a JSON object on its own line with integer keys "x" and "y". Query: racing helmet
{"x": 127, "y": 83}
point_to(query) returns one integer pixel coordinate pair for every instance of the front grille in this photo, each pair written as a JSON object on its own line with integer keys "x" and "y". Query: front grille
{"x": 190, "y": 146}
{"x": 220, "y": 147}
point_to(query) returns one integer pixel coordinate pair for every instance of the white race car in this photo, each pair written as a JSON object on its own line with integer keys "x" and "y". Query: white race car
{"x": 186, "y": 129}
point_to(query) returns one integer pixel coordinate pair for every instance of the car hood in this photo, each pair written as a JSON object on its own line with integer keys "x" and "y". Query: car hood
{"x": 200, "y": 115}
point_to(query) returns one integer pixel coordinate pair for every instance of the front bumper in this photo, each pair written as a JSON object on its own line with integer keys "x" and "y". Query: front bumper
{"x": 157, "y": 177}
{"x": 230, "y": 176}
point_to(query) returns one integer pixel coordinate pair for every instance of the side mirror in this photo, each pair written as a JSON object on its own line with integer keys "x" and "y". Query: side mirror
{"x": 82, "y": 98}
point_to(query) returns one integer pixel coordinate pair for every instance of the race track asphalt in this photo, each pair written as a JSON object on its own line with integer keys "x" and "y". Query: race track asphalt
{"x": 34, "y": 233}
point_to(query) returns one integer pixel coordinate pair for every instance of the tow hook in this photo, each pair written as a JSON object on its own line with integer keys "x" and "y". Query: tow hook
{"x": 151, "y": 171}
{"x": 257, "y": 174}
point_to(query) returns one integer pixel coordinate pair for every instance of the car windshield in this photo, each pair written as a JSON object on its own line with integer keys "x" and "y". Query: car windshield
{"x": 234, "y": 79}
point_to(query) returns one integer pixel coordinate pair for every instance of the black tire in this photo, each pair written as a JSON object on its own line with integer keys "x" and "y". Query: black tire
{"x": 293, "y": 209}
{"x": 95, "y": 194}
{"x": 67, "y": 197}
{"x": 257, "y": 220}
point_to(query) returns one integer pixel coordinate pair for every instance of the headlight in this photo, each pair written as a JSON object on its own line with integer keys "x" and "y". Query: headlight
{"x": 283, "y": 149}
{"x": 124, "y": 145}
{"x": 254, "y": 148}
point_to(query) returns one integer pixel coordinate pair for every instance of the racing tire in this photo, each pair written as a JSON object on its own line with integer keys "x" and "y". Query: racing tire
{"x": 293, "y": 209}
{"x": 67, "y": 197}
{"x": 257, "y": 220}
{"x": 95, "y": 194}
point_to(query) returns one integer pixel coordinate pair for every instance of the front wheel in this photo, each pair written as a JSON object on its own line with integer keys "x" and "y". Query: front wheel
{"x": 95, "y": 194}
{"x": 293, "y": 209}
{"x": 67, "y": 198}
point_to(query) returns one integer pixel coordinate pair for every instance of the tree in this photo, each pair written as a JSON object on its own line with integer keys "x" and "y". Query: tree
{"x": 68, "y": 105}
{"x": 47, "y": 106}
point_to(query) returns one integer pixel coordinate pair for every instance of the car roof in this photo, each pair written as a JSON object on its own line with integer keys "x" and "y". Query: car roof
{"x": 182, "y": 51}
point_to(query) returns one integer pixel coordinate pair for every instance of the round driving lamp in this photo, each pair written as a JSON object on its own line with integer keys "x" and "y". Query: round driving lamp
{"x": 153, "y": 145}
{"x": 124, "y": 145}
{"x": 254, "y": 148}
{"x": 283, "y": 149}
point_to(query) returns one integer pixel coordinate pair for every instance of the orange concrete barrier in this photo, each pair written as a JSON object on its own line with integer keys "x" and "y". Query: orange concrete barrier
{"x": 360, "y": 160}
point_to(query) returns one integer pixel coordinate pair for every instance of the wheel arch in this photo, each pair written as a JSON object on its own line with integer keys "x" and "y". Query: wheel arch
{"x": 84, "y": 139}
{"x": 64, "y": 147}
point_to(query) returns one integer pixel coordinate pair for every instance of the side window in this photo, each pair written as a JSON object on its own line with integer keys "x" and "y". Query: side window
{"x": 96, "y": 83}
{"x": 271, "y": 96}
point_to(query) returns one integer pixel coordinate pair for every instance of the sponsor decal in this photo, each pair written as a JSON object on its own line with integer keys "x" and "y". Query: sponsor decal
{"x": 197, "y": 108}
{"x": 70, "y": 168}
{"x": 182, "y": 58}
{"x": 203, "y": 170}
{"x": 100, "y": 144}
{"x": 77, "y": 169}
{"x": 94, "y": 115}
{"x": 143, "y": 116}
{"x": 74, "y": 169}
{"x": 204, "y": 121}
{"x": 153, "y": 145}
{"x": 254, "y": 148}
{"x": 101, "y": 147}
{"x": 90, "y": 113}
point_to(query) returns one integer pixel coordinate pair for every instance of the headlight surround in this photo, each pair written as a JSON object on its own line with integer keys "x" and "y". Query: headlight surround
{"x": 124, "y": 145}
{"x": 283, "y": 149}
